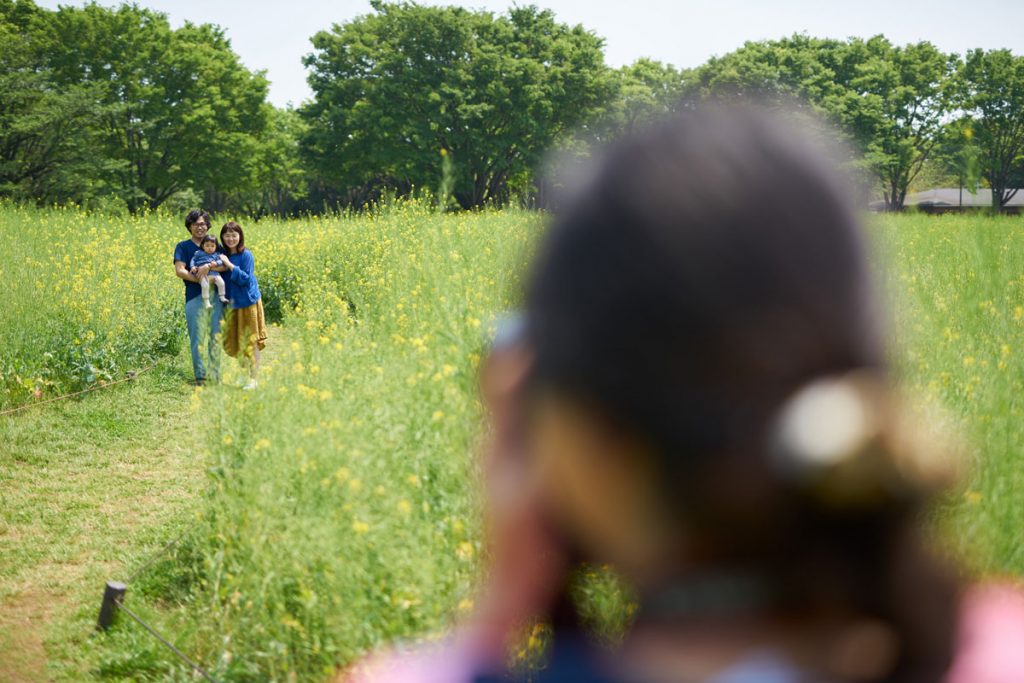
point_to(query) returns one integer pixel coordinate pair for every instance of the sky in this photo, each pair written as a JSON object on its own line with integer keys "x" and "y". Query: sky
{"x": 274, "y": 36}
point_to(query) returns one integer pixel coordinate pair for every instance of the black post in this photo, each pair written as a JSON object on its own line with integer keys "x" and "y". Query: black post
{"x": 113, "y": 593}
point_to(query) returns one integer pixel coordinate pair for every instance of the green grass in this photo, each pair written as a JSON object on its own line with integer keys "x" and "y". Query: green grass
{"x": 956, "y": 291}
{"x": 338, "y": 509}
{"x": 88, "y": 487}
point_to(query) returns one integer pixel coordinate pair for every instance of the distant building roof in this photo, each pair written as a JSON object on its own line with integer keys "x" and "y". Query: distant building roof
{"x": 953, "y": 197}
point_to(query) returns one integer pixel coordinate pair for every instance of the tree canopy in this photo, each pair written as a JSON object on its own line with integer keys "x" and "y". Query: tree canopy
{"x": 398, "y": 90}
{"x": 991, "y": 88}
{"x": 112, "y": 107}
{"x": 158, "y": 110}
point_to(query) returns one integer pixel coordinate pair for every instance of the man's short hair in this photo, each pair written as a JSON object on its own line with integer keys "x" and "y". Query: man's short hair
{"x": 193, "y": 216}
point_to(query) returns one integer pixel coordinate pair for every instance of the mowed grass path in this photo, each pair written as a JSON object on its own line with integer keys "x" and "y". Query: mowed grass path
{"x": 88, "y": 488}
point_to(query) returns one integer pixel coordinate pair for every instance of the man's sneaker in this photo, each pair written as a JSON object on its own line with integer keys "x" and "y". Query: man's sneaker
{"x": 200, "y": 381}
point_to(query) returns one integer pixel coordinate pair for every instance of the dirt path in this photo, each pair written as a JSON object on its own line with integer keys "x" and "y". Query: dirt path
{"x": 87, "y": 488}
{"x": 90, "y": 488}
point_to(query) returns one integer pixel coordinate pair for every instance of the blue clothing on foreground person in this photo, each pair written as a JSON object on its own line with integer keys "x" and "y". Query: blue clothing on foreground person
{"x": 698, "y": 395}
{"x": 197, "y": 222}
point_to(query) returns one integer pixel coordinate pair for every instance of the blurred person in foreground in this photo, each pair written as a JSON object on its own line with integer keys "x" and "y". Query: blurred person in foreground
{"x": 698, "y": 395}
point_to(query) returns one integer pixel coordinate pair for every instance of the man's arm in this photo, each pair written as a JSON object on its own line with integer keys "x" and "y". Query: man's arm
{"x": 181, "y": 270}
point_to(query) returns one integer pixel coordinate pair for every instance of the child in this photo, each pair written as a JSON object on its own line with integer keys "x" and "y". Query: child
{"x": 208, "y": 254}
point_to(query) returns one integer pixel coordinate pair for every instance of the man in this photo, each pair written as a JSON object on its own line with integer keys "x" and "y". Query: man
{"x": 197, "y": 222}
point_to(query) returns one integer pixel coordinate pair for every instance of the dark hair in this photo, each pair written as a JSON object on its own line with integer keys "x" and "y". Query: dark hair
{"x": 193, "y": 216}
{"x": 710, "y": 269}
{"x": 208, "y": 238}
{"x": 233, "y": 226}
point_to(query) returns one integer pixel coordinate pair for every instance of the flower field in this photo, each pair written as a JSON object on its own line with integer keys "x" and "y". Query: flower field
{"x": 342, "y": 508}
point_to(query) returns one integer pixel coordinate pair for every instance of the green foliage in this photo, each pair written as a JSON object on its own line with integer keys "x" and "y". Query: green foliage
{"x": 89, "y": 311}
{"x": 114, "y": 110}
{"x": 183, "y": 112}
{"x": 341, "y": 510}
{"x": 956, "y": 294}
{"x": 395, "y": 88}
{"x": 114, "y": 103}
{"x": 992, "y": 97}
{"x": 46, "y": 134}
{"x": 279, "y": 174}
{"x": 893, "y": 108}
{"x": 889, "y": 101}
{"x": 645, "y": 91}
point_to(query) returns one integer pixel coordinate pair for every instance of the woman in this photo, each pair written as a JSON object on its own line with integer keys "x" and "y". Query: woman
{"x": 698, "y": 395}
{"x": 245, "y": 331}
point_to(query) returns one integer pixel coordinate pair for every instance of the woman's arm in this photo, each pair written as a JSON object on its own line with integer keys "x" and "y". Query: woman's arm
{"x": 242, "y": 272}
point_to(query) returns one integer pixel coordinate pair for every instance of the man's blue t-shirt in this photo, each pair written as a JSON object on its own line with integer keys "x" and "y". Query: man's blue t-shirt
{"x": 184, "y": 253}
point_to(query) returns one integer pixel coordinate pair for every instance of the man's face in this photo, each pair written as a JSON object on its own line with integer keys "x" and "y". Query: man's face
{"x": 199, "y": 228}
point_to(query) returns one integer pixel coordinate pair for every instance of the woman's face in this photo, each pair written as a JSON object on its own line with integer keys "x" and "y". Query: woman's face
{"x": 230, "y": 239}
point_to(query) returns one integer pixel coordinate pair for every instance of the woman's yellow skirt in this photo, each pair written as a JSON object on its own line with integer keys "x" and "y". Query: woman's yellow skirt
{"x": 244, "y": 327}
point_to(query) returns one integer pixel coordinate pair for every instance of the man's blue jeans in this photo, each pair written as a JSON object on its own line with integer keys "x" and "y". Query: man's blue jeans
{"x": 197, "y": 316}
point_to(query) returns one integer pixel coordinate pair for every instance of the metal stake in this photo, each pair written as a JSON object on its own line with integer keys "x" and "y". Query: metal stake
{"x": 111, "y": 596}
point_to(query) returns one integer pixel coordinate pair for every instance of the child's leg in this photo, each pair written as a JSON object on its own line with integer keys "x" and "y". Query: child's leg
{"x": 204, "y": 286}
{"x": 221, "y": 289}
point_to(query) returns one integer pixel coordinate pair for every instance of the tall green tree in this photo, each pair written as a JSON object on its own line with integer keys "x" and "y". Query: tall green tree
{"x": 889, "y": 101}
{"x": 400, "y": 91}
{"x": 47, "y": 146}
{"x": 894, "y": 107}
{"x": 278, "y": 181}
{"x": 992, "y": 96}
{"x": 786, "y": 72}
{"x": 180, "y": 111}
{"x": 645, "y": 91}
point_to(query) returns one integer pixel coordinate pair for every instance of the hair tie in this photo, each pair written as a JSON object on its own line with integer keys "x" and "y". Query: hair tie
{"x": 849, "y": 440}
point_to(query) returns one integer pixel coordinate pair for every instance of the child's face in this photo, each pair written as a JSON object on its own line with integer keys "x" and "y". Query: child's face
{"x": 209, "y": 247}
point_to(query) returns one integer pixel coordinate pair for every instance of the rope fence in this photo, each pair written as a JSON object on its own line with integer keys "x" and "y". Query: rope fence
{"x": 129, "y": 376}
{"x": 113, "y": 601}
{"x": 114, "y": 593}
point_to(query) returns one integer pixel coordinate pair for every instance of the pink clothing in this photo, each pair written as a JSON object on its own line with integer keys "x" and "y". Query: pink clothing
{"x": 991, "y": 636}
{"x": 990, "y": 648}
{"x": 442, "y": 662}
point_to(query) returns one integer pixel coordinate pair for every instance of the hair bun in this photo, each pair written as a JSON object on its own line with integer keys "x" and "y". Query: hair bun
{"x": 852, "y": 441}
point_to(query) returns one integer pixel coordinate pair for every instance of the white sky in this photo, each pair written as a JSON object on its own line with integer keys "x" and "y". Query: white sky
{"x": 274, "y": 35}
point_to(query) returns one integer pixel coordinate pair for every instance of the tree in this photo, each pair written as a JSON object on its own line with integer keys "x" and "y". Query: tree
{"x": 278, "y": 182}
{"x": 395, "y": 89}
{"x": 645, "y": 91}
{"x": 785, "y": 72}
{"x": 992, "y": 96}
{"x": 46, "y": 141}
{"x": 179, "y": 110}
{"x": 889, "y": 101}
{"x": 894, "y": 107}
